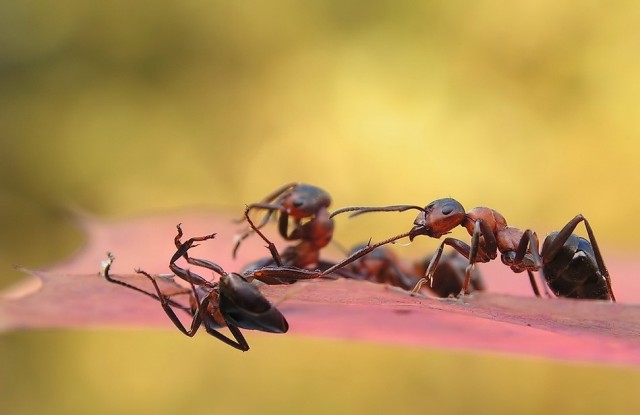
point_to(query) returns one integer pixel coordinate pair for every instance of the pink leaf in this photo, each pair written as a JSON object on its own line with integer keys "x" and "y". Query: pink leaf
{"x": 507, "y": 319}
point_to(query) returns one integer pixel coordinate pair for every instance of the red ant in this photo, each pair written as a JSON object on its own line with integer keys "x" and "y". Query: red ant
{"x": 572, "y": 266}
{"x": 383, "y": 266}
{"x": 312, "y": 226}
{"x": 232, "y": 301}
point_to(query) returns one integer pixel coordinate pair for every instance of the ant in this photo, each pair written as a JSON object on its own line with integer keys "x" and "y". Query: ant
{"x": 232, "y": 301}
{"x": 383, "y": 266}
{"x": 570, "y": 265}
{"x": 312, "y": 225}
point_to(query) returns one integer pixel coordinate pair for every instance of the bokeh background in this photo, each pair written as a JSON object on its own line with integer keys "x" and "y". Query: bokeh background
{"x": 136, "y": 107}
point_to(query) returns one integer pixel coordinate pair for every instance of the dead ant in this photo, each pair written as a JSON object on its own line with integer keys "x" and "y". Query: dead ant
{"x": 307, "y": 206}
{"x": 232, "y": 301}
{"x": 571, "y": 266}
{"x": 381, "y": 266}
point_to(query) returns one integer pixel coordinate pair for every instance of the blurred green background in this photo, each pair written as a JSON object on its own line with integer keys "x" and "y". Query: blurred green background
{"x": 133, "y": 107}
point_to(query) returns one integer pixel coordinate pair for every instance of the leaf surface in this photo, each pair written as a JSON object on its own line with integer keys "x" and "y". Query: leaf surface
{"x": 506, "y": 319}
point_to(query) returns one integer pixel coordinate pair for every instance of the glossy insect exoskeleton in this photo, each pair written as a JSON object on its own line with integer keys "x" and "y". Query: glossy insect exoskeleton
{"x": 303, "y": 208}
{"x": 448, "y": 277}
{"x": 383, "y": 266}
{"x": 231, "y": 302}
{"x": 575, "y": 265}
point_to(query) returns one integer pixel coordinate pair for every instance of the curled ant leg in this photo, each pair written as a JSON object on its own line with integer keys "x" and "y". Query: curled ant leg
{"x": 106, "y": 273}
{"x": 302, "y": 215}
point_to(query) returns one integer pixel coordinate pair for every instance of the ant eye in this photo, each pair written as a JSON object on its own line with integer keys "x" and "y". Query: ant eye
{"x": 297, "y": 203}
{"x": 447, "y": 210}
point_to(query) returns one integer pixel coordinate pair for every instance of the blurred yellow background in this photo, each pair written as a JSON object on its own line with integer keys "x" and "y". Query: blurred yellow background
{"x": 132, "y": 107}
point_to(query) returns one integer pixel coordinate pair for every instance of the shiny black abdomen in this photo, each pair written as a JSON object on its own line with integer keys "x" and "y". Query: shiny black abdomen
{"x": 574, "y": 273}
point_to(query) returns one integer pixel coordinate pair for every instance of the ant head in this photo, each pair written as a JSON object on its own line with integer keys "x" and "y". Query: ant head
{"x": 438, "y": 218}
{"x": 305, "y": 200}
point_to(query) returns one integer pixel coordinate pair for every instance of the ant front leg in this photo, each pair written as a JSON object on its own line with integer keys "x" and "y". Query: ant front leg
{"x": 477, "y": 252}
{"x": 272, "y": 248}
{"x": 456, "y": 244}
{"x": 195, "y": 322}
{"x": 106, "y": 272}
{"x": 488, "y": 249}
{"x": 182, "y": 251}
{"x": 271, "y": 209}
{"x": 529, "y": 242}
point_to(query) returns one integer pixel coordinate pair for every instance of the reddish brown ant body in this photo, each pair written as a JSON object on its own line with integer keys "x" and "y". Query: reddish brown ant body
{"x": 383, "y": 266}
{"x": 306, "y": 206}
{"x": 572, "y": 266}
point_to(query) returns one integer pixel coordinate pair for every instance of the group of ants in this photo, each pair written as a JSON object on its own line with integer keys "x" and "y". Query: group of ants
{"x": 567, "y": 265}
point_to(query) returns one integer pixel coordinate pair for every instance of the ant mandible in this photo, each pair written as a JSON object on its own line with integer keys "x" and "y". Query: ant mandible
{"x": 571, "y": 266}
{"x": 312, "y": 226}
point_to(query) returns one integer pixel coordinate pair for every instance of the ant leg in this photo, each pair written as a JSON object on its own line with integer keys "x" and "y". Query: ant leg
{"x": 273, "y": 195}
{"x": 301, "y": 273}
{"x": 198, "y": 317}
{"x": 489, "y": 249}
{"x": 565, "y": 233}
{"x": 270, "y": 208}
{"x": 109, "y": 278}
{"x": 534, "y": 285}
{"x": 285, "y": 272}
{"x": 182, "y": 251}
{"x": 456, "y": 244}
{"x": 184, "y": 247}
{"x": 272, "y": 248}
{"x": 210, "y": 324}
{"x": 529, "y": 242}
{"x": 283, "y": 227}
{"x": 195, "y": 322}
